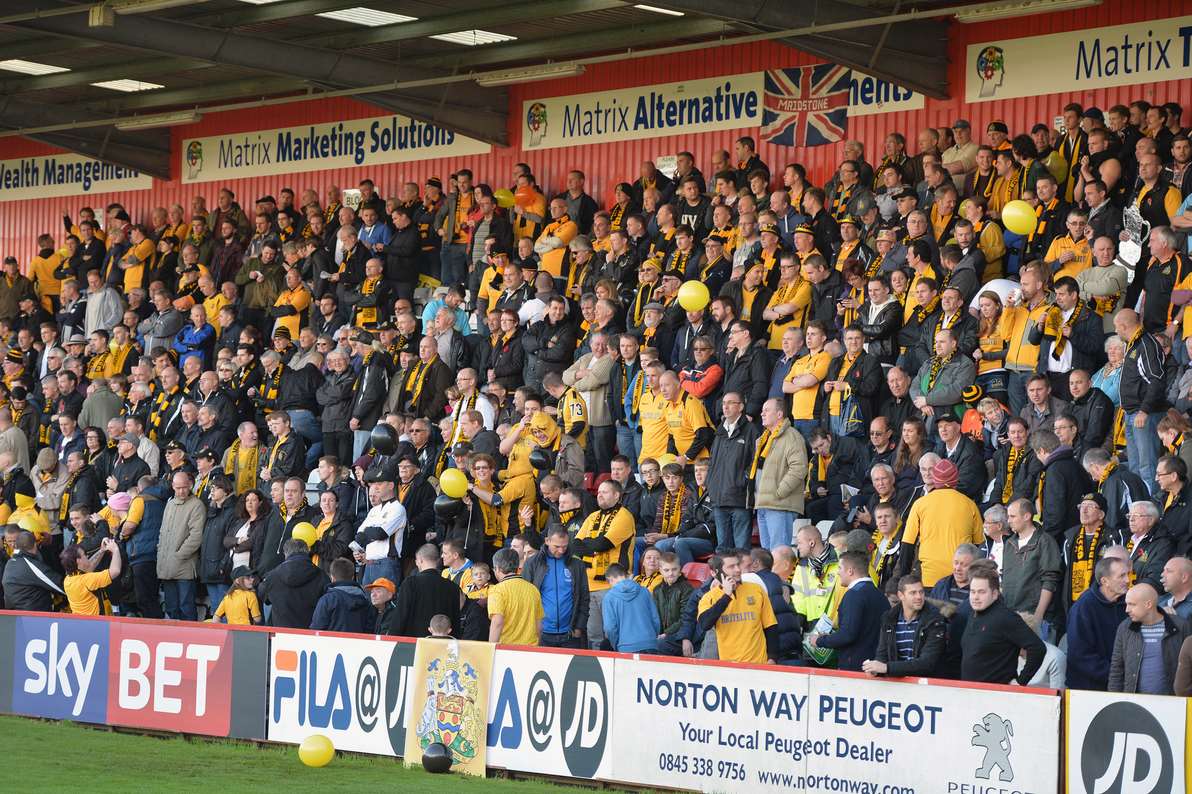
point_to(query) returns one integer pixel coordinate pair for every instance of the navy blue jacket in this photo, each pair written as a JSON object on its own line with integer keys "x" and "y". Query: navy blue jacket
{"x": 1092, "y": 624}
{"x": 790, "y": 637}
{"x": 856, "y": 638}
{"x": 344, "y": 607}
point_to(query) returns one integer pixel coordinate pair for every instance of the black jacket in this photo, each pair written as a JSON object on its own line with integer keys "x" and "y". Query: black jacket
{"x": 212, "y": 554}
{"x": 401, "y": 257}
{"x": 1087, "y": 339}
{"x": 1149, "y": 555}
{"x": 549, "y": 348}
{"x": 1064, "y": 482}
{"x": 790, "y": 635}
{"x": 419, "y": 503}
{"x": 267, "y": 546}
{"x": 85, "y": 490}
{"x": 931, "y": 636}
{"x": 30, "y": 586}
{"x": 370, "y": 390}
{"x": 1143, "y": 385}
{"x": 881, "y": 336}
{"x": 991, "y": 643}
{"x": 293, "y": 588}
{"x": 1121, "y": 489}
{"x": 1026, "y": 475}
{"x": 866, "y": 380}
{"x": 473, "y": 621}
{"x": 1176, "y": 520}
{"x": 971, "y": 462}
{"x": 421, "y": 597}
{"x": 344, "y": 607}
{"x": 747, "y": 374}
{"x": 1094, "y": 417}
{"x": 728, "y": 470}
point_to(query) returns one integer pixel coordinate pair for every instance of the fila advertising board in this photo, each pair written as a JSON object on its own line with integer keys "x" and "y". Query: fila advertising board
{"x": 351, "y": 691}
{"x": 167, "y": 676}
{"x": 1081, "y": 60}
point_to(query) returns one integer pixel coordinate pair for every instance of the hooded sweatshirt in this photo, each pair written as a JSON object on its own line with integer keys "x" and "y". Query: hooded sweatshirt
{"x": 630, "y": 619}
{"x": 344, "y": 607}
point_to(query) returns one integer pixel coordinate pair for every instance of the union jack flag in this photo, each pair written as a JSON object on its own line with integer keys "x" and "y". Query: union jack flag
{"x": 806, "y": 105}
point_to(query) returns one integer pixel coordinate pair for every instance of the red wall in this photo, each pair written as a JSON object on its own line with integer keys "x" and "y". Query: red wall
{"x": 606, "y": 164}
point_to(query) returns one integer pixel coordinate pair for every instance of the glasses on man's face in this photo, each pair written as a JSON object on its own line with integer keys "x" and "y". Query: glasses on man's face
{"x": 418, "y": 430}
{"x": 703, "y": 350}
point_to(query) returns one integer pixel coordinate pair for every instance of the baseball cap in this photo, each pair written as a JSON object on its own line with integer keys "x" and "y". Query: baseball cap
{"x": 131, "y": 438}
{"x": 363, "y": 337}
{"x": 14, "y": 355}
{"x": 241, "y": 570}
{"x": 382, "y": 583}
{"x": 804, "y": 228}
{"x": 768, "y": 227}
{"x": 850, "y": 219}
{"x": 961, "y": 124}
{"x": 1096, "y": 499}
{"x": 207, "y": 452}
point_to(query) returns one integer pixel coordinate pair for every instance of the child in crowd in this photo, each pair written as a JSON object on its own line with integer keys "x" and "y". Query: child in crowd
{"x": 240, "y": 606}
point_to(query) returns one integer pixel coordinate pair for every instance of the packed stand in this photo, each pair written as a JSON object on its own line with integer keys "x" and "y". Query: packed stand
{"x": 927, "y": 419}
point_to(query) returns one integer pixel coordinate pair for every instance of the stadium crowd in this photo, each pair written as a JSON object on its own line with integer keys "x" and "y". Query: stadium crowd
{"x": 899, "y": 438}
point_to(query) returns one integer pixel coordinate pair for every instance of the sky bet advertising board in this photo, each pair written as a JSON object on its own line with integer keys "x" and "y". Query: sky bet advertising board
{"x": 713, "y": 728}
{"x": 192, "y": 679}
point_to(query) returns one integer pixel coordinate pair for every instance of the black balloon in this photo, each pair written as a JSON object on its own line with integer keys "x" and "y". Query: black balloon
{"x": 447, "y": 507}
{"x": 383, "y": 439}
{"x": 436, "y": 758}
{"x": 541, "y": 458}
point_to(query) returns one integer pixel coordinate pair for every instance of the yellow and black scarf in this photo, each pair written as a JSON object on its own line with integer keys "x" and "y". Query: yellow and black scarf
{"x": 245, "y": 476}
{"x": 937, "y": 366}
{"x": 417, "y": 379}
{"x": 1012, "y": 461}
{"x": 761, "y": 452}
{"x": 366, "y": 316}
{"x": 1084, "y": 558}
{"x": 923, "y": 311}
{"x": 672, "y": 508}
{"x": 840, "y": 202}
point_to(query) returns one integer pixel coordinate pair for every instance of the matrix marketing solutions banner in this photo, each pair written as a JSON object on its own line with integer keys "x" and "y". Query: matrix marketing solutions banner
{"x": 707, "y": 105}
{"x": 319, "y": 147}
{"x": 714, "y": 728}
{"x": 1081, "y": 60}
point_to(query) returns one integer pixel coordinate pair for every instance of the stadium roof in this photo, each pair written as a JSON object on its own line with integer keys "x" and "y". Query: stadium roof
{"x": 72, "y": 64}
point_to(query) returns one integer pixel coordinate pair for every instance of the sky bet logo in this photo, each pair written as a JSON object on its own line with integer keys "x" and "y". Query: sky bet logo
{"x": 62, "y": 672}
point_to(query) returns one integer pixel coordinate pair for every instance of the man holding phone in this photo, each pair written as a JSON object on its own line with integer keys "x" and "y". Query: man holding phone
{"x": 740, "y": 612}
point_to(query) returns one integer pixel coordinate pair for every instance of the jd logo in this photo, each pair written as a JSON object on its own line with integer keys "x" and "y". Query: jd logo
{"x": 993, "y": 735}
{"x": 1126, "y": 751}
{"x": 583, "y": 715}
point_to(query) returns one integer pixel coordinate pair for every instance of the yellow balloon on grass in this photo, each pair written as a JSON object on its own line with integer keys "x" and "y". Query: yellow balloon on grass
{"x": 316, "y": 750}
{"x": 504, "y": 197}
{"x": 306, "y": 533}
{"x": 1019, "y": 217}
{"x": 454, "y": 483}
{"x": 694, "y": 295}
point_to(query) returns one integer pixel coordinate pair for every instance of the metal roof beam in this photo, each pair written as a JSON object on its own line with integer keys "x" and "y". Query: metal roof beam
{"x": 270, "y": 12}
{"x": 608, "y": 39}
{"x": 253, "y": 87}
{"x": 95, "y": 74}
{"x": 147, "y": 151}
{"x": 484, "y": 107}
{"x": 921, "y": 65}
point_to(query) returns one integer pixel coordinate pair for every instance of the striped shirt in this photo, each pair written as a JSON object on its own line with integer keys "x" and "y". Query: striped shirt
{"x": 904, "y": 638}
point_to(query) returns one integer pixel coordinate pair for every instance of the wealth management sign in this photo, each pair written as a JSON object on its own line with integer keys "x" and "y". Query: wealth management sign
{"x": 1081, "y": 60}
{"x": 320, "y": 147}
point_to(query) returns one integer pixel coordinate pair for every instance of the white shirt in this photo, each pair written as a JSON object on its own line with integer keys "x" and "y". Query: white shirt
{"x": 1064, "y": 363}
{"x": 482, "y": 405}
{"x": 391, "y": 517}
{"x": 997, "y": 552}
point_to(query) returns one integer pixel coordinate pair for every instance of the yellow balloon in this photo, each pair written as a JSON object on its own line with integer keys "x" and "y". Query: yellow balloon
{"x": 1019, "y": 217}
{"x": 454, "y": 483}
{"x": 305, "y": 532}
{"x": 694, "y": 295}
{"x": 316, "y": 750}
{"x": 504, "y": 197}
